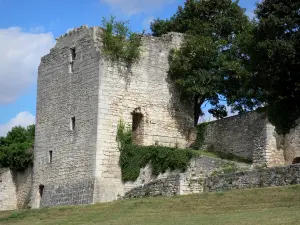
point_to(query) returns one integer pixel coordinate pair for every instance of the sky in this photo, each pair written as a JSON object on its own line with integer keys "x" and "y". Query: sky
{"x": 28, "y": 30}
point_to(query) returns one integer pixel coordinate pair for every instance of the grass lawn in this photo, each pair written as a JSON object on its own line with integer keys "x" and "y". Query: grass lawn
{"x": 254, "y": 206}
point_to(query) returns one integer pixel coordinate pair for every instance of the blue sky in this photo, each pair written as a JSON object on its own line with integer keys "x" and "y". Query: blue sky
{"x": 28, "y": 30}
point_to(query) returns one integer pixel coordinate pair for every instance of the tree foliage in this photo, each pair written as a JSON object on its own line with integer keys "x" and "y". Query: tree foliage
{"x": 209, "y": 65}
{"x": 275, "y": 60}
{"x": 119, "y": 43}
{"x": 16, "y": 149}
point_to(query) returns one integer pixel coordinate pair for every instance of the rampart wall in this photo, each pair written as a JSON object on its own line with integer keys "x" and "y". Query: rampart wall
{"x": 276, "y": 176}
{"x": 15, "y": 188}
{"x": 176, "y": 182}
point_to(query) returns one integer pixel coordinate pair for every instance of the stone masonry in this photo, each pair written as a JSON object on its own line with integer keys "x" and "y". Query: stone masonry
{"x": 81, "y": 98}
{"x": 251, "y": 136}
{"x": 276, "y": 176}
{"x": 15, "y": 188}
{"x": 177, "y": 182}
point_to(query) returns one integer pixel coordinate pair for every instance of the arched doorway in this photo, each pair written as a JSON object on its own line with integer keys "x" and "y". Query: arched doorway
{"x": 296, "y": 160}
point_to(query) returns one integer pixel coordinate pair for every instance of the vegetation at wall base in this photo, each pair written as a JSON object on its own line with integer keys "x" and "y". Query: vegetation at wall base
{"x": 16, "y": 149}
{"x": 134, "y": 157}
{"x": 119, "y": 43}
{"x": 268, "y": 206}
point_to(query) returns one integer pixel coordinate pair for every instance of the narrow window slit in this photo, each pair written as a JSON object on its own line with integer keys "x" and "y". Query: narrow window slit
{"x": 71, "y": 67}
{"x": 72, "y": 125}
{"x": 73, "y": 57}
{"x": 50, "y": 156}
{"x": 73, "y": 54}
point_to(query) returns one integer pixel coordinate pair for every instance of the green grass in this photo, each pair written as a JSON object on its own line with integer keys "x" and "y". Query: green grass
{"x": 256, "y": 206}
{"x": 221, "y": 155}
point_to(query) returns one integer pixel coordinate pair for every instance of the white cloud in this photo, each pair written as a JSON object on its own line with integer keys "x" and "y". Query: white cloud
{"x": 21, "y": 52}
{"x": 137, "y": 6}
{"x": 23, "y": 119}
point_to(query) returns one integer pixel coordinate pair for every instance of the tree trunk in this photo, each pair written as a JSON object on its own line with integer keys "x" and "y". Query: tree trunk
{"x": 198, "y": 101}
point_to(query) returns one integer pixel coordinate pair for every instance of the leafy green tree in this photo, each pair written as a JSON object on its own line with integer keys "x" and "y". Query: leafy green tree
{"x": 16, "y": 149}
{"x": 209, "y": 66}
{"x": 275, "y": 60}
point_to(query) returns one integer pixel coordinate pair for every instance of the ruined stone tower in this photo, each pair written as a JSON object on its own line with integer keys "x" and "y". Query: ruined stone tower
{"x": 81, "y": 98}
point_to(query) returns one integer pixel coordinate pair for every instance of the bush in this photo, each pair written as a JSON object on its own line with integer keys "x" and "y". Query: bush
{"x": 119, "y": 43}
{"x": 16, "y": 149}
{"x": 134, "y": 157}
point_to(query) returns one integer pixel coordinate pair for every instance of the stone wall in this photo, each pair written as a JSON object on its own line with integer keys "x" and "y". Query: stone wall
{"x": 23, "y": 183}
{"x": 168, "y": 186}
{"x": 176, "y": 182}
{"x": 68, "y": 87}
{"x": 243, "y": 135}
{"x": 8, "y": 193}
{"x": 249, "y": 135}
{"x": 143, "y": 89}
{"x": 291, "y": 143}
{"x": 276, "y": 176}
{"x": 68, "y": 194}
{"x": 15, "y": 188}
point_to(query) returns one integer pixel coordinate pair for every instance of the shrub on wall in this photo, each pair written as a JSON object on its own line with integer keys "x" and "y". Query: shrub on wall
{"x": 119, "y": 43}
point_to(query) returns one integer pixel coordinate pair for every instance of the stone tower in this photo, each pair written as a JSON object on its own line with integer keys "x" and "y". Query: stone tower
{"x": 81, "y": 98}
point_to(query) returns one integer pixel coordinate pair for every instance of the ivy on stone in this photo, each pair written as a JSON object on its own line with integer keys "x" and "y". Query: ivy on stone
{"x": 134, "y": 157}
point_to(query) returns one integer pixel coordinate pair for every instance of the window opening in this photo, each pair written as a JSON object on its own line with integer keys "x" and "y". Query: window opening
{"x": 137, "y": 128}
{"x": 41, "y": 190}
{"x": 71, "y": 67}
{"x": 296, "y": 160}
{"x": 73, "y": 57}
{"x": 50, "y": 156}
{"x": 73, "y": 54}
{"x": 73, "y": 123}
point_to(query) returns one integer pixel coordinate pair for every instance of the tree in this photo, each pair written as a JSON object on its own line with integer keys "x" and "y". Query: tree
{"x": 209, "y": 66}
{"x": 275, "y": 60}
{"x": 16, "y": 149}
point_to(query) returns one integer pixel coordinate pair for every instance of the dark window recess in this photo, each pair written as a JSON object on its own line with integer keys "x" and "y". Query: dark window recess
{"x": 71, "y": 67}
{"x": 73, "y": 123}
{"x": 50, "y": 156}
{"x": 41, "y": 190}
{"x": 296, "y": 160}
{"x": 137, "y": 128}
{"x": 73, "y": 53}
